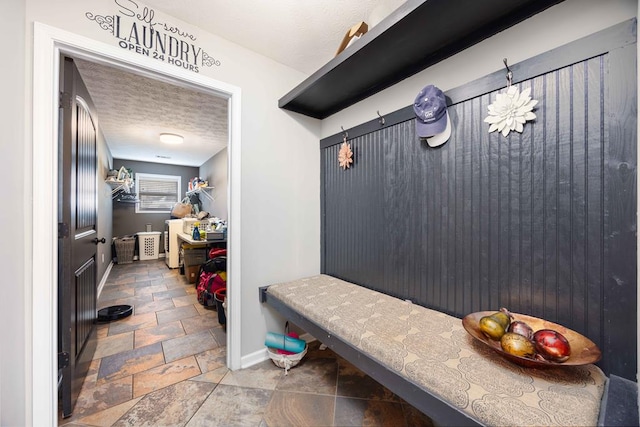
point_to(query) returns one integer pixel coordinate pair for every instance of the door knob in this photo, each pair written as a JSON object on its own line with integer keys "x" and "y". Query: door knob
{"x": 96, "y": 240}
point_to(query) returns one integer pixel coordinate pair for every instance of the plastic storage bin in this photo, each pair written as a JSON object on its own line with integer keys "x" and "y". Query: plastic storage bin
{"x": 194, "y": 256}
{"x": 149, "y": 245}
{"x": 124, "y": 249}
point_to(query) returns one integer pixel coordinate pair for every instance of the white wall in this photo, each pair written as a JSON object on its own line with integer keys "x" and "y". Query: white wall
{"x": 105, "y": 204}
{"x": 215, "y": 170}
{"x": 14, "y": 152}
{"x": 556, "y": 26}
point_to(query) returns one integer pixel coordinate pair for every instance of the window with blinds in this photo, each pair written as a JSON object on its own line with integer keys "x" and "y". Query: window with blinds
{"x": 157, "y": 193}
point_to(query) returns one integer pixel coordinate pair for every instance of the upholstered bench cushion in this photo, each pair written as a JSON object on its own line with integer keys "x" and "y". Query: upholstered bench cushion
{"x": 433, "y": 351}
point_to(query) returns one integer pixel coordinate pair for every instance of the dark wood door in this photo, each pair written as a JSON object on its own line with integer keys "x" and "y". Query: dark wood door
{"x": 77, "y": 290}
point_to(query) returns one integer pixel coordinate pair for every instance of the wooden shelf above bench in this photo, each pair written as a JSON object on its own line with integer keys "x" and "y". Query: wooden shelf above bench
{"x": 420, "y": 33}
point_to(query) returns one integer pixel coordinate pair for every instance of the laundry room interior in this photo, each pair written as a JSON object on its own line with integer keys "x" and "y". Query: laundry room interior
{"x": 161, "y": 186}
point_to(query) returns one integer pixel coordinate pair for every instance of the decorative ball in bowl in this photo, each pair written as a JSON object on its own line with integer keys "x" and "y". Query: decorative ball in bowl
{"x": 582, "y": 350}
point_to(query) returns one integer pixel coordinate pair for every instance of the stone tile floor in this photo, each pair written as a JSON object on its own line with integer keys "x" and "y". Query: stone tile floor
{"x": 165, "y": 366}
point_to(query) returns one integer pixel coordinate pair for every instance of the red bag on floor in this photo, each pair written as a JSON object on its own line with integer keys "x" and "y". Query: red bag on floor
{"x": 206, "y": 291}
{"x": 210, "y": 267}
{"x": 211, "y": 277}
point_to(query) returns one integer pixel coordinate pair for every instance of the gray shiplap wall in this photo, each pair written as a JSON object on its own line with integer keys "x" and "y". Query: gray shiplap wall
{"x": 541, "y": 222}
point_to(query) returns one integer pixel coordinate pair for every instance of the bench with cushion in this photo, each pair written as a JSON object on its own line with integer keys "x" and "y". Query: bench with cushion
{"x": 427, "y": 358}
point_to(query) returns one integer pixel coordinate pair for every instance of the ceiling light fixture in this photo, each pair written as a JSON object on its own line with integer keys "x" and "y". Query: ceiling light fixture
{"x": 171, "y": 138}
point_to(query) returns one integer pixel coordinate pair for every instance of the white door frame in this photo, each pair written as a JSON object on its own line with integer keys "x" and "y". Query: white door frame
{"x": 41, "y": 317}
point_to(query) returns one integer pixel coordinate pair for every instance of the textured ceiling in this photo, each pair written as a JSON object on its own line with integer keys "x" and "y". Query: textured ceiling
{"x": 133, "y": 110}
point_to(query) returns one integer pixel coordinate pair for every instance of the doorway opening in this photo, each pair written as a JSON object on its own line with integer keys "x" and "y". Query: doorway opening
{"x": 49, "y": 44}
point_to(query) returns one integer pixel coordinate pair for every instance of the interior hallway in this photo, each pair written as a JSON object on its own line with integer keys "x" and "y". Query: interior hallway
{"x": 165, "y": 366}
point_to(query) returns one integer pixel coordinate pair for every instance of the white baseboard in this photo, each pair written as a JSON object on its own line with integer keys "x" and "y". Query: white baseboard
{"x": 137, "y": 257}
{"x": 254, "y": 358}
{"x": 105, "y": 276}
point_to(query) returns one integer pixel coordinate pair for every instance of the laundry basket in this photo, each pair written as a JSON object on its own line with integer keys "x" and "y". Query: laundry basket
{"x": 124, "y": 249}
{"x": 149, "y": 245}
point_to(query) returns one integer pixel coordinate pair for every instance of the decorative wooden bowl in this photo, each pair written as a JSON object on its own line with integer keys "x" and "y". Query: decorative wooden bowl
{"x": 583, "y": 350}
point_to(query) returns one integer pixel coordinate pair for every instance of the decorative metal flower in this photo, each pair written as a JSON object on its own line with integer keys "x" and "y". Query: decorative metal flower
{"x": 345, "y": 156}
{"x": 510, "y": 111}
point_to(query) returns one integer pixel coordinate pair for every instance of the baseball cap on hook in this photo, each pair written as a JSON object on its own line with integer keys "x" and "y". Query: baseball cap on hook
{"x": 432, "y": 118}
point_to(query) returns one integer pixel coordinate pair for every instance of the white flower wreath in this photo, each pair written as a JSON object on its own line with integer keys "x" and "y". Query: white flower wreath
{"x": 510, "y": 111}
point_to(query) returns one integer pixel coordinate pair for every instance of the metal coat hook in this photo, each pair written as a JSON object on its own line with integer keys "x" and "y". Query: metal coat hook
{"x": 345, "y": 134}
{"x": 509, "y": 72}
{"x": 380, "y": 119}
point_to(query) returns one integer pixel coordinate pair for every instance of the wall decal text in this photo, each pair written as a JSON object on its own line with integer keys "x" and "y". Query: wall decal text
{"x": 136, "y": 29}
